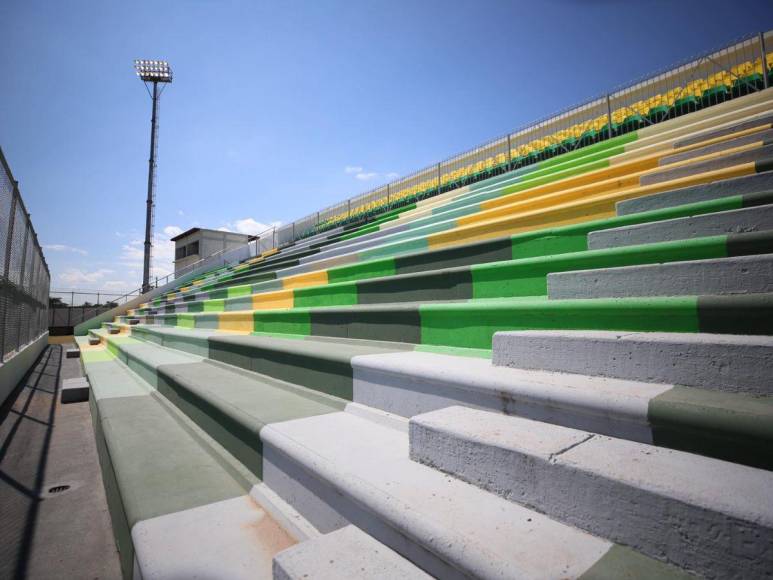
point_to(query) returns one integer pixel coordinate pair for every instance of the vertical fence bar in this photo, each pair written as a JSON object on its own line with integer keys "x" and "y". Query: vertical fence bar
{"x": 764, "y": 60}
{"x": 27, "y": 228}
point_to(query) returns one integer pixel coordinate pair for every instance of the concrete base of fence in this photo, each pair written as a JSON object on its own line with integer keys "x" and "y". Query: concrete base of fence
{"x": 13, "y": 369}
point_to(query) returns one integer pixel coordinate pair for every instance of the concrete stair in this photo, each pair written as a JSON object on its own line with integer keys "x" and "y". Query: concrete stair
{"x": 710, "y": 517}
{"x": 559, "y": 372}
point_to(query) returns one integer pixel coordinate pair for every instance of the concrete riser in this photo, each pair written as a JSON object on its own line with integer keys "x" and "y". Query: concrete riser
{"x": 583, "y": 480}
{"x": 753, "y": 219}
{"x": 743, "y": 275}
{"x": 726, "y": 363}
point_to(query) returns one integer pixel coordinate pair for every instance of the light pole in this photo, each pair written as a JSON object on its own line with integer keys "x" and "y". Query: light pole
{"x": 152, "y": 72}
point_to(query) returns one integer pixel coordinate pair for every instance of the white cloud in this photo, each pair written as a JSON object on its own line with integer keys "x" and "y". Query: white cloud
{"x": 173, "y": 231}
{"x": 73, "y": 276}
{"x": 133, "y": 254}
{"x": 248, "y": 226}
{"x": 361, "y": 174}
{"x": 64, "y": 248}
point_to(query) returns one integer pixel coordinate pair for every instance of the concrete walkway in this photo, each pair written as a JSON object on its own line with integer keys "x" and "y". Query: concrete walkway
{"x": 45, "y": 534}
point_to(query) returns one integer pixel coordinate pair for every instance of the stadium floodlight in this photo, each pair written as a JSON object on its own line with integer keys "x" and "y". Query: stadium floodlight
{"x": 152, "y": 72}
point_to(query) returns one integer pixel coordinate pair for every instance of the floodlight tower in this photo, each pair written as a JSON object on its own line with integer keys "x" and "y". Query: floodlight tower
{"x": 152, "y": 72}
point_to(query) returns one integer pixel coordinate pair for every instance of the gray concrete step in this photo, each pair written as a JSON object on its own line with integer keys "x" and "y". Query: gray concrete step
{"x": 760, "y": 182}
{"x": 721, "y": 276}
{"x": 755, "y": 137}
{"x": 723, "y": 362}
{"x": 745, "y": 220}
{"x": 728, "y": 160}
{"x": 341, "y": 469}
{"x": 710, "y": 517}
{"x": 733, "y": 426}
{"x": 346, "y": 553}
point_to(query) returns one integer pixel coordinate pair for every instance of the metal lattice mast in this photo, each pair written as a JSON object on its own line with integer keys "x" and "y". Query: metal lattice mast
{"x": 151, "y": 72}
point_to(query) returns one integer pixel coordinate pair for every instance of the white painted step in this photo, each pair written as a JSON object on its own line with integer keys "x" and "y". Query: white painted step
{"x": 341, "y": 469}
{"x": 346, "y": 553}
{"x": 708, "y": 516}
{"x": 723, "y": 362}
{"x": 750, "y": 219}
{"x": 720, "y": 276}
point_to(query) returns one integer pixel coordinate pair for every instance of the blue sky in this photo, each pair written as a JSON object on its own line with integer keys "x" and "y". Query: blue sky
{"x": 273, "y": 101}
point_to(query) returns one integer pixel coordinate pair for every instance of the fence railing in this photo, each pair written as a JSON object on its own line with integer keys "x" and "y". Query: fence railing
{"x": 24, "y": 275}
{"x": 67, "y": 308}
{"x": 735, "y": 70}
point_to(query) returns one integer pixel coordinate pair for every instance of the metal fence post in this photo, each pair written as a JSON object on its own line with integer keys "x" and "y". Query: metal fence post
{"x": 609, "y": 117}
{"x": 23, "y": 270}
{"x": 388, "y": 195}
{"x": 438, "y": 178}
{"x": 764, "y": 60}
{"x": 7, "y": 262}
{"x": 509, "y": 152}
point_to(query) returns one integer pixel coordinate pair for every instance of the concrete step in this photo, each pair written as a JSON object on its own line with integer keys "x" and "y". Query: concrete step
{"x": 508, "y": 278}
{"x": 746, "y": 220}
{"x": 722, "y": 362}
{"x": 762, "y": 120}
{"x": 759, "y": 182}
{"x": 396, "y": 379}
{"x": 345, "y": 553}
{"x": 710, "y": 517}
{"x": 747, "y": 154}
{"x": 553, "y": 241}
{"x": 178, "y": 502}
{"x": 342, "y": 469}
{"x": 756, "y": 137}
{"x": 471, "y": 324}
{"x": 736, "y": 427}
{"x": 230, "y": 404}
{"x": 741, "y": 275}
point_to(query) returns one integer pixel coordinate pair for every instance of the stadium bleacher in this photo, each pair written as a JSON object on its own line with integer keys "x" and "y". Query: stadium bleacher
{"x": 561, "y": 371}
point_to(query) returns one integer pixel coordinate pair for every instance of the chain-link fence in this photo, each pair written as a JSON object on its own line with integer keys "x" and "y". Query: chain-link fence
{"x": 68, "y": 308}
{"x": 24, "y": 279}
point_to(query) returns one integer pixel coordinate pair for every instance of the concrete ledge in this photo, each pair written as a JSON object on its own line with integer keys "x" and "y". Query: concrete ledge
{"x": 14, "y": 368}
{"x": 741, "y": 275}
{"x": 758, "y": 183}
{"x": 340, "y": 469}
{"x": 731, "y": 363}
{"x": 233, "y": 538}
{"x": 756, "y": 137}
{"x": 711, "y": 517}
{"x": 345, "y": 553}
{"x": 411, "y": 383}
{"x": 753, "y": 219}
{"x": 74, "y": 390}
{"x": 668, "y": 173}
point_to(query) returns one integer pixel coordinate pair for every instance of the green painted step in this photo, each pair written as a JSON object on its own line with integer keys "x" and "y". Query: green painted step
{"x": 153, "y": 460}
{"x": 471, "y": 324}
